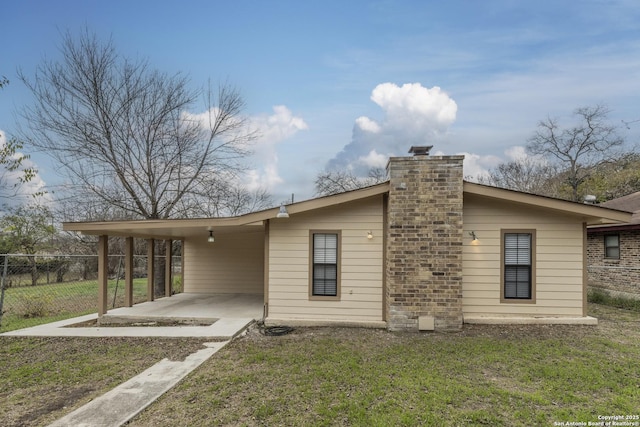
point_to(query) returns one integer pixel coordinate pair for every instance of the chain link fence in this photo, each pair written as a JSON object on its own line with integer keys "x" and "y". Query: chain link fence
{"x": 36, "y": 289}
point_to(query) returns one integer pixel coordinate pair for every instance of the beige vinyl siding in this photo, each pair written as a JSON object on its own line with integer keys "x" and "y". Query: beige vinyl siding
{"x": 361, "y": 263}
{"x": 234, "y": 263}
{"x": 559, "y": 260}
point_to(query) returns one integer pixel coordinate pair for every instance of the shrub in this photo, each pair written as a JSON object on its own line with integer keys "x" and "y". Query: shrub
{"x": 599, "y": 296}
{"x": 34, "y": 306}
{"x": 177, "y": 284}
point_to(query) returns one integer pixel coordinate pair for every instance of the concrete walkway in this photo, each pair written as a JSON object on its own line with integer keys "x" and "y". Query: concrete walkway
{"x": 129, "y": 399}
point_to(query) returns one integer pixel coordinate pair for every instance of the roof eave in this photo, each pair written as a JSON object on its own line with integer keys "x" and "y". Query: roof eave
{"x": 140, "y": 228}
{"x": 592, "y": 214}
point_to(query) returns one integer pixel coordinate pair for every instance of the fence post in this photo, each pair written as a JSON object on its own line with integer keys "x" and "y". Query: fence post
{"x": 2, "y": 285}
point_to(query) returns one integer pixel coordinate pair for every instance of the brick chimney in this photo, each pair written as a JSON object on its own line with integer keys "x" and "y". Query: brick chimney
{"x": 424, "y": 242}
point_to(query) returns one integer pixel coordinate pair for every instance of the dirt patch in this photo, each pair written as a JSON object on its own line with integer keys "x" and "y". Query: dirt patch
{"x": 94, "y": 323}
{"x": 44, "y": 378}
{"x": 59, "y": 400}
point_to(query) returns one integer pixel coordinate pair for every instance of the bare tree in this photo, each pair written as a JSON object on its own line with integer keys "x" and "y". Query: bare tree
{"x": 334, "y": 182}
{"x": 122, "y": 133}
{"x": 578, "y": 149}
{"x": 527, "y": 174}
{"x": 226, "y": 197}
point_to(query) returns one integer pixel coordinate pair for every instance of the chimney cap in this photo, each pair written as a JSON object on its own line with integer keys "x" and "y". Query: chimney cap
{"x": 420, "y": 150}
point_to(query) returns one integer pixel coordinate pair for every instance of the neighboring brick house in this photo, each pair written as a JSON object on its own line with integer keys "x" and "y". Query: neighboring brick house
{"x": 425, "y": 250}
{"x": 614, "y": 251}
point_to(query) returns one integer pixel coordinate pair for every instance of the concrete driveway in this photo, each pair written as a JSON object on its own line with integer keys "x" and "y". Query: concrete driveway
{"x": 196, "y": 306}
{"x": 229, "y": 314}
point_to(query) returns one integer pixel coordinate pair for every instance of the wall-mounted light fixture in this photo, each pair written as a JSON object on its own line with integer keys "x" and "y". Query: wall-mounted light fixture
{"x": 211, "y": 239}
{"x": 473, "y": 235}
{"x": 283, "y": 212}
{"x": 369, "y": 235}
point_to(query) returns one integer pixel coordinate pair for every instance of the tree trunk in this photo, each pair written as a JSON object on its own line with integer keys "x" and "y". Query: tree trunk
{"x": 34, "y": 271}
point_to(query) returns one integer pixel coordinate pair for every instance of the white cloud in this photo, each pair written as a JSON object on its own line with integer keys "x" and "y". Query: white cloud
{"x": 475, "y": 165}
{"x": 517, "y": 152}
{"x": 368, "y": 125}
{"x": 427, "y": 110}
{"x": 11, "y": 191}
{"x": 413, "y": 115}
{"x": 374, "y": 160}
{"x": 278, "y": 126}
{"x": 273, "y": 129}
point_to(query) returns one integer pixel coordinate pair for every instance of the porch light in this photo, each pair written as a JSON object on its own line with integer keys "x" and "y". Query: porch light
{"x": 211, "y": 239}
{"x": 283, "y": 212}
{"x": 369, "y": 235}
{"x": 473, "y": 235}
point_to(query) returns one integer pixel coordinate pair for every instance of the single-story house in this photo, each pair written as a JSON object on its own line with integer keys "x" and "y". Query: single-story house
{"x": 614, "y": 251}
{"x": 424, "y": 250}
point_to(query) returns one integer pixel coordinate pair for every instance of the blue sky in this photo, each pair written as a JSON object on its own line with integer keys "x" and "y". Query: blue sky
{"x": 345, "y": 84}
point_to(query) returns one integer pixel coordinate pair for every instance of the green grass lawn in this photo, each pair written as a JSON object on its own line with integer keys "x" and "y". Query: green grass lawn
{"x": 27, "y": 306}
{"x": 484, "y": 375}
{"x": 35, "y": 305}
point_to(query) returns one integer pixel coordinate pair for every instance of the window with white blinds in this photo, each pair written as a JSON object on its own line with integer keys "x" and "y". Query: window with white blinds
{"x": 325, "y": 264}
{"x": 517, "y": 265}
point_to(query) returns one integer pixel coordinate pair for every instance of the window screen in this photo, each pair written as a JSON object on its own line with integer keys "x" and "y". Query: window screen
{"x": 325, "y": 264}
{"x": 517, "y": 265}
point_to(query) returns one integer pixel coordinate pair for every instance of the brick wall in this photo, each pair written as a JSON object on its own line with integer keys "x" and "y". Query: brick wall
{"x": 617, "y": 276}
{"x": 424, "y": 242}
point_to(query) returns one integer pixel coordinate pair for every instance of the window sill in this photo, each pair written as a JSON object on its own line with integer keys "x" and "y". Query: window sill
{"x": 517, "y": 301}
{"x": 323, "y": 298}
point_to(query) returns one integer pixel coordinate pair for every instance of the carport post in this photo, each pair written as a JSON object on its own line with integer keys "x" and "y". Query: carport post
{"x": 103, "y": 251}
{"x": 128, "y": 272}
{"x": 167, "y": 268}
{"x": 150, "y": 275}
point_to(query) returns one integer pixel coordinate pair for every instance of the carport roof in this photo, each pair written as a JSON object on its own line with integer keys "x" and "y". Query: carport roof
{"x": 180, "y": 228}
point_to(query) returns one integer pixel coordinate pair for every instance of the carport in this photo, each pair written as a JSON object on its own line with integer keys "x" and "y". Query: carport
{"x": 223, "y": 265}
